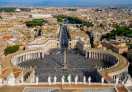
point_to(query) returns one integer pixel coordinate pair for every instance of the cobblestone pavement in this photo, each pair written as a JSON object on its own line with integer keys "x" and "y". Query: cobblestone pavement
{"x": 52, "y": 65}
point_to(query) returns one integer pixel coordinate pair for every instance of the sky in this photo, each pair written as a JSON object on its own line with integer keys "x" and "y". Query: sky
{"x": 99, "y": 1}
{"x": 68, "y": 2}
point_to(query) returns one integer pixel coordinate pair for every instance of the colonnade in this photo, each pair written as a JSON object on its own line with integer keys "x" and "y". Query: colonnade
{"x": 101, "y": 56}
{"x": 122, "y": 78}
{"x": 113, "y": 59}
{"x": 32, "y": 55}
{"x": 40, "y": 54}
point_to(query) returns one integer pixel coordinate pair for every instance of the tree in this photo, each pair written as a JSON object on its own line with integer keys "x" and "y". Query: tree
{"x": 11, "y": 49}
{"x": 7, "y": 9}
{"x": 73, "y": 20}
{"x": 119, "y": 31}
{"x": 35, "y": 22}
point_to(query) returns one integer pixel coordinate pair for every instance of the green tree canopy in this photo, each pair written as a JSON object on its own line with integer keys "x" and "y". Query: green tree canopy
{"x": 11, "y": 49}
{"x": 119, "y": 31}
{"x": 7, "y": 9}
{"x": 73, "y": 20}
{"x": 35, "y": 22}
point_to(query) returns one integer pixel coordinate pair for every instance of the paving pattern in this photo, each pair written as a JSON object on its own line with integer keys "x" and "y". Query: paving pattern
{"x": 52, "y": 65}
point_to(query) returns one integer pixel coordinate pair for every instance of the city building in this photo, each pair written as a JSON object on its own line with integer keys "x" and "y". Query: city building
{"x": 116, "y": 46}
